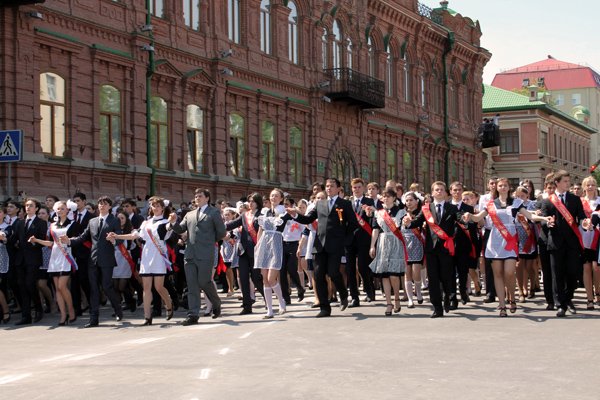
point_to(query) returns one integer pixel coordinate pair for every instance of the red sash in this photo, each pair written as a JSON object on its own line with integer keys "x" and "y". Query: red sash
{"x": 250, "y": 226}
{"x": 588, "y": 212}
{"x": 567, "y": 216}
{"x": 127, "y": 257}
{"x": 63, "y": 251}
{"x": 363, "y": 224}
{"x": 466, "y": 232}
{"x": 528, "y": 247}
{"x": 512, "y": 241}
{"x": 448, "y": 240}
{"x": 221, "y": 267}
{"x": 392, "y": 227}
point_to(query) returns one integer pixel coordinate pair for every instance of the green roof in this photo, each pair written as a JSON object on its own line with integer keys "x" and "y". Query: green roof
{"x": 497, "y": 100}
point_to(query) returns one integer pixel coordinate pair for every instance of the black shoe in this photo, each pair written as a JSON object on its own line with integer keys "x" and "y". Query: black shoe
{"x": 437, "y": 314}
{"x": 170, "y": 313}
{"x": 190, "y": 320}
{"x": 343, "y": 304}
{"x": 246, "y": 311}
{"x": 103, "y": 302}
{"x": 216, "y": 313}
{"x": 323, "y": 313}
{"x": 23, "y": 321}
{"x": 550, "y": 307}
{"x": 119, "y": 316}
{"x": 571, "y": 308}
{"x": 354, "y": 303}
{"x": 132, "y": 306}
{"x": 147, "y": 322}
{"x": 419, "y": 301}
{"x": 561, "y": 312}
{"x": 301, "y": 294}
{"x": 91, "y": 324}
{"x": 288, "y": 302}
{"x": 489, "y": 300}
{"x": 446, "y": 305}
{"x": 465, "y": 299}
{"x": 38, "y": 316}
{"x": 6, "y": 318}
{"x": 477, "y": 293}
{"x": 454, "y": 303}
{"x": 72, "y": 321}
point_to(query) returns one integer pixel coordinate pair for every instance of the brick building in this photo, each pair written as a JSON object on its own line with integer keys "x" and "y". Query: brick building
{"x": 243, "y": 94}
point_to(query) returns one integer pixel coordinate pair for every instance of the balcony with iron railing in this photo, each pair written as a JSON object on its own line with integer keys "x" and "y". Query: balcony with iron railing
{"x": 351, "y": 86}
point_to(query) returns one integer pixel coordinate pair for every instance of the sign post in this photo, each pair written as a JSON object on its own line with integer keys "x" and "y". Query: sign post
{"x": 11, "y": 150}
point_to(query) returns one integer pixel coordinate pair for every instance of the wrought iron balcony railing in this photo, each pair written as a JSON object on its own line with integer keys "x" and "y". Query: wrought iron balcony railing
{"x": 348, "y": 85}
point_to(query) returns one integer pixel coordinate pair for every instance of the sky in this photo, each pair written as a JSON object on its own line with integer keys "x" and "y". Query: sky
{"x": 520, "y": 32}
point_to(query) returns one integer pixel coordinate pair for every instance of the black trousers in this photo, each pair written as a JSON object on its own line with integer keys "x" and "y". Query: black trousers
{"x": 547, "y": 275}
{"x": 565, "y": 263}
{"x": 440, "y": 272}
{"x": 80, "y": 281}
{"x": 328, "y": 264}
{"x": 490, "y": 288}
{"x": 359, "y": 253}
{"x": 27, "y": 277}
{"x": 289, "y": 266}
{"x": 102, "y": 275}
{"x": 461, "y": 268}
{"x": 248, "y": 272}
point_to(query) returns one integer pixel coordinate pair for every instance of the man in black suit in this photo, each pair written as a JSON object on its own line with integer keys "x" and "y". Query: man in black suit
{"x": 440, "y": 264}
{"x": 28, "y": 259}
{"x": 248, "y": 221}
{"x": 102, "y": 258}
{"x": 564, "y": 240}
{"x": 465, "y": 255}
{"x": 80, "y": 280}
{"x": 337, "y": 222}
{"x": 13, "y": 208}
{"x": 359, "y": 246}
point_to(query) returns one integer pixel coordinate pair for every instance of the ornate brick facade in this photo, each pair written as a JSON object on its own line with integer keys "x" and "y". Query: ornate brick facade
{"x": 89, "y": 44}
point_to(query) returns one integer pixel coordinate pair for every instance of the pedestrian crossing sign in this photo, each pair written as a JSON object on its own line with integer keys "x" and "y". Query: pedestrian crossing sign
{"x": 11, "y": 145}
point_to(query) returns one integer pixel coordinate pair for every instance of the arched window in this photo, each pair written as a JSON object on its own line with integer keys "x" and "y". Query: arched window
{"x": 268, "y": 150}
{"x": 337, "y": 45}
{"x": 390, "y": 161}
{"x": 293, "y": 33}
{"x": 191, "y": 13}
{"x": 110, "y": 124}
{"x": 52, "y": 110}
{"x": 296, "y": 154}
{"x": 349, "y": 54}
{"x": 389, "y": 72}
{"x": 325, "y": 48}
{"x": 407, "y": 82}
{"x": 195, "y": 138}
{"x": 373, "y": 162}
{"x": 159, "y": 133}
{"x": 265, "y": 26}
{"x": 233, "y": 20}
{"x": 371, "y": 58}
{"x": 237, "y": 145}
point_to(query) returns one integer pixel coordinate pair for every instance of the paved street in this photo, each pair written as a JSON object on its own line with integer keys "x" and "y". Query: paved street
{"x": 357, "y": 354}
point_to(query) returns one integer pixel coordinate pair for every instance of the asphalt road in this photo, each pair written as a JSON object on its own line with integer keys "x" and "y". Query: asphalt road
{"x": 355, "y": 354}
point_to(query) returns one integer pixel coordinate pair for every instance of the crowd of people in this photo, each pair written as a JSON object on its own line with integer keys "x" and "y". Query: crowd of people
{"x": 70, "y": 257}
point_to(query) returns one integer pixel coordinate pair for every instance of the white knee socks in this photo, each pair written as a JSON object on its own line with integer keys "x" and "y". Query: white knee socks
{"x": 277, "y": 290}
{"x": 418, "y": 289}
{"x": 269, "y": 300}
{"x": 409, "y": 291}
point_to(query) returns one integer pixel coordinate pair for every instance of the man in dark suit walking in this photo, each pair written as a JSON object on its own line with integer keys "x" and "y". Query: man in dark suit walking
{"x": 80, "y": 279}
{"x": 358, "y": 249}
{"x": 205, "y": 228}
{"x": 337, "y": 223}
{"x": 102, "y": 259}
{"x": 564, "y": 239}
{"x": 441, "y": 217}
{"x": 28, "y": 259}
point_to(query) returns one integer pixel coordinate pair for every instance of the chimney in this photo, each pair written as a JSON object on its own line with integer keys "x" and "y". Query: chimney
{"x": 533, "y": 93}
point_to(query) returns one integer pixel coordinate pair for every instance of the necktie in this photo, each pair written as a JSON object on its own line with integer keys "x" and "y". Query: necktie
{"x": 330, "y": 204}
{"x": 439, "y": 211}
{"x": 357, "y": 206}
{"x": 562, "y": 198}
{"x": 100, "y": 224}
{"x": 79, "y": 218}
{"x": 28, "y": 223}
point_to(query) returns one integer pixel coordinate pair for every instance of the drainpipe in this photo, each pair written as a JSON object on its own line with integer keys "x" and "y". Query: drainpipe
{"x": 449, "y": 45}
{"x": 149, "y": 73}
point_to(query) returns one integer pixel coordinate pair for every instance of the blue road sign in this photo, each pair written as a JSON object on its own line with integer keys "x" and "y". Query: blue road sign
{"x": 11, "y": 145}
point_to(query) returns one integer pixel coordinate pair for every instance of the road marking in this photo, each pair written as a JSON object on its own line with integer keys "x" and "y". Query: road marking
{"x": 246, "y": 335}
{"x": 224, "y": 351}
{"x": 85, "y": 356}
{"x": 57, "y": 358}
{"x": 12, "y": 378}
{"x": 203, "y": 327}
{"x": 144, "y": 340}
{"x": 204, "y": 373}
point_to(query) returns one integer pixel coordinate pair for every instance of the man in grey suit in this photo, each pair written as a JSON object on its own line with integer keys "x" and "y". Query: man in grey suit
{"x": 204, "y": 227}
{"x": 102, "y": 259}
